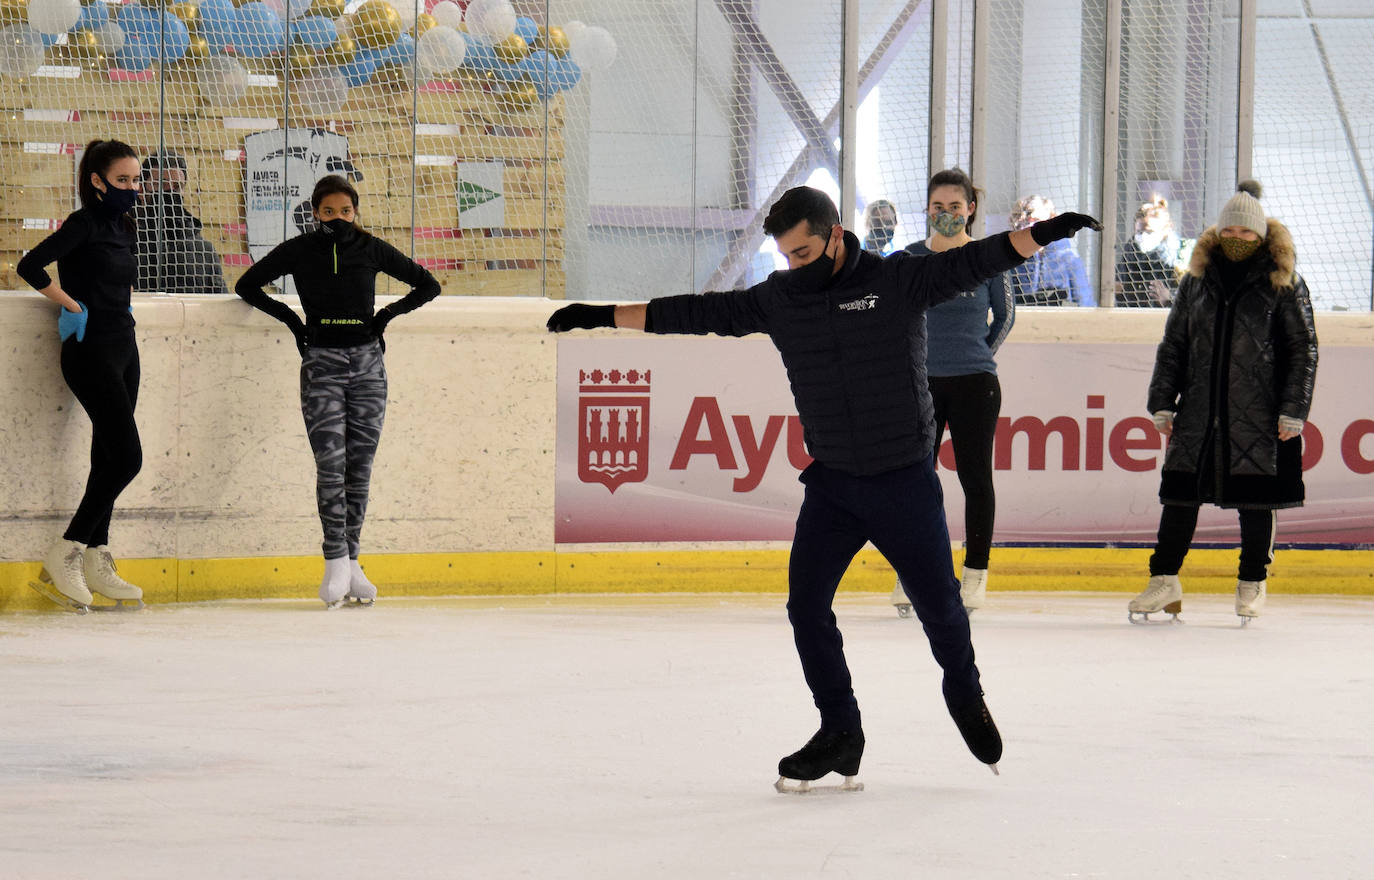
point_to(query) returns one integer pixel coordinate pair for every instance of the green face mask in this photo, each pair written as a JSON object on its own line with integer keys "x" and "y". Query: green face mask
{"x": 1237, "y": 249}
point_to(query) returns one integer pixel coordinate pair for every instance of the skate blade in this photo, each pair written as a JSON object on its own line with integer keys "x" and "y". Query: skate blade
{"x": 66, "y": 603}
{"x": 993, "y": 768}
{"x": 355, "y": 602}
{"x": 330, "y": 606}
{"x": 1144, "y": 618}
{"x": 804, "y": 786}
{"x": 124, "y": 605}
{"x": 903, "y": 610}
{"x": 1245, "y": 619}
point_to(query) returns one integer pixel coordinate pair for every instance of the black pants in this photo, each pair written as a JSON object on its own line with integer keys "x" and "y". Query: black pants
{"x": 902, "y": 512}
{"x": 103, "y": 373}
{"x": 970, "y": 406}
{"x": 1177, "y": 522}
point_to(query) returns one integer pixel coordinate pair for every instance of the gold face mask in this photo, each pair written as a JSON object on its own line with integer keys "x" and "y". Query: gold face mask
{"x": 1237, "y": 249}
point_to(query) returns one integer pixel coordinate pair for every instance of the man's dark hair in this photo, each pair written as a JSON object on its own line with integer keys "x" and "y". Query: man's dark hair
{"x": 164, "y": 159}
{"x": 802, "y": 203}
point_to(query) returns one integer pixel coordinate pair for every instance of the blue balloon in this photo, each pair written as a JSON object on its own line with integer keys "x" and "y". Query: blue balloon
{"x": 359, "y": 71}
{"x": 137, "y": 20}
{"x": 49, "y": 40}
{"x": 401, "y": 53}
{"x": 567, "y": 74}
{"x": 259, "y": 30}
{"x": 527, "y": 29}
{"x": 537, "y": 68}
{"x": 316, "y": 31}
{"x": 218, "y": 23}
{"x": 135, "y": 55}
{"x": 93, "y": 17}
{"x": 175, "y": 38}
{"x": 480, "y": 56}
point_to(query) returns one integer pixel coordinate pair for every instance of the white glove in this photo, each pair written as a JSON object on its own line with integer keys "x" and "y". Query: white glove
{"x": 1290, "y": 427}
{"x": 1164, "y": 421}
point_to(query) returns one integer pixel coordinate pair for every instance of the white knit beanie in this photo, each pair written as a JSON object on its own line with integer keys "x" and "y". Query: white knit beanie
{"x": 1244, "y": 209}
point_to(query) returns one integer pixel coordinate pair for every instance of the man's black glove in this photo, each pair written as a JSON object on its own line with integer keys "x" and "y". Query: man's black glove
{"x": 379, "y": 322}
{"x": 580, "y": 316}
{"x": 1062, "y": 226}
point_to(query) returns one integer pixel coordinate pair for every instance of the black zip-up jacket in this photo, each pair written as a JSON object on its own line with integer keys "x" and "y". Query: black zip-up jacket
{"x": 336, "y": 281}
{"x": 854, "y": 349}
{"x": 96, "y": 265}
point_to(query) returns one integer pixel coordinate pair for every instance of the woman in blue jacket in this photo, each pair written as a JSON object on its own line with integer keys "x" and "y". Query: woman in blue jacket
{"x": 961, "y": 344}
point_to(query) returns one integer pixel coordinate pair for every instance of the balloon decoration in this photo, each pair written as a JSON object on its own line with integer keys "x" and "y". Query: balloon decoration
{"x": 326, "y": 49}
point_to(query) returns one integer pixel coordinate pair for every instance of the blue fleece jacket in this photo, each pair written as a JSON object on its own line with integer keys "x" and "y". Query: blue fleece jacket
{"x": 1057, "y": 267}
{"x": 961, "y": 342}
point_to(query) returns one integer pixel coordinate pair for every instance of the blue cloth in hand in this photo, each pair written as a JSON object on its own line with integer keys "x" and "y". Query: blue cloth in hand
{"x": 69, "y": 323}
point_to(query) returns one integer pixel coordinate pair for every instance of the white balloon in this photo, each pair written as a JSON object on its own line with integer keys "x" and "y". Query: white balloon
{"x": 111, "y": 37}
{"x": 322, "y": 91}
{"x": 572, "y": 29}
{"x": 21, "y": 50}
{"x": 54, "y": 16}
{"x": 491, "y": 19}
{"x": 440, "y": 50}
{"x": 222, "y": 80}
{"x": 408, "y": 10}
{"x": 447, "y": 13}
{"x": 593, "y": 48}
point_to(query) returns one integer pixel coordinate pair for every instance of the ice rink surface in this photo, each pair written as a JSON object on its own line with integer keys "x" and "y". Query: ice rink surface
{"x": 638, "y": 737}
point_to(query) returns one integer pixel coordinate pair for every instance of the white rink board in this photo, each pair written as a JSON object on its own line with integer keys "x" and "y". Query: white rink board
{"x": 602, "y": 737}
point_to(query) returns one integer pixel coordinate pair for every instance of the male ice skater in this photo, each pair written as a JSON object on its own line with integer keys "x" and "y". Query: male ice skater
{"x": 844, "y": 321}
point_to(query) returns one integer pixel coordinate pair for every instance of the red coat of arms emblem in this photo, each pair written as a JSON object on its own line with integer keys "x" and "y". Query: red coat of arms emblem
{"x": 613, "y": 423}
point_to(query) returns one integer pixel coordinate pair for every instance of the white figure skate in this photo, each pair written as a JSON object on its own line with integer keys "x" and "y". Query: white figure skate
{"x": 900, "y": 600}
{"x": 334, "y": 587}
{"x": 973, "y": 588}
{"x": 1249, "y": 600}
{"x": 1164, "y": 593}
{"x": 102, "y": 577}
{"x": 361, "y": 591}
{"x": 62, "y": 579}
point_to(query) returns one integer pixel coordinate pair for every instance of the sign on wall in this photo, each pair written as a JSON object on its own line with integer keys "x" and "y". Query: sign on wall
{"x": 688, "y": 439}
{"x": 280, "y": 172}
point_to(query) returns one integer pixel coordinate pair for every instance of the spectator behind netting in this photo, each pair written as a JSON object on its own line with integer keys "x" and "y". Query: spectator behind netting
{"x": 880, "y": 219}
{"x": 1056, "y": 275}
{"x": 1153, "y": 260}
{"x": 173, "y": 257}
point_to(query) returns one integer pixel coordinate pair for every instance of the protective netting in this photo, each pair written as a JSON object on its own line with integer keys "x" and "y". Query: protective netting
{"x": 1314, "y": 143}
{"x": 449, "y": 119}
{"x": 630, "y": 149}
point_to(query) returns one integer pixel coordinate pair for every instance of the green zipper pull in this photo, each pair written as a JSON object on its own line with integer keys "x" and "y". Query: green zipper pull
{"x": 336, "y": 259}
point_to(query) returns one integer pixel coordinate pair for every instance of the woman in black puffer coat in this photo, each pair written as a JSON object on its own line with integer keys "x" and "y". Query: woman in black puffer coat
{"x": 1232, "y": 387}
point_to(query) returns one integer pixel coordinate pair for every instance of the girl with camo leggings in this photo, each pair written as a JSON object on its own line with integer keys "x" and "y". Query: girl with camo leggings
{"x": 343, "y": 378}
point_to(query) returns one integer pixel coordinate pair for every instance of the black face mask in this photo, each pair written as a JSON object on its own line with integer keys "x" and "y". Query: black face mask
{"x": 813, "y": 276}
{"x": 117, "y": 202}
{"x": 340, "y": 229}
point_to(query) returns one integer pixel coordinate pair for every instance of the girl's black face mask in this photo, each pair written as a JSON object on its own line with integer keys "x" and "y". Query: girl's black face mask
{"x": 340, "y": 228}
{"x": 117, "y": 202}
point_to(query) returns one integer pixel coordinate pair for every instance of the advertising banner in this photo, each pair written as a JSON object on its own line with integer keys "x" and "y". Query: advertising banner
{"x": 664, "y": 439}
{"x": 280, "y": 171}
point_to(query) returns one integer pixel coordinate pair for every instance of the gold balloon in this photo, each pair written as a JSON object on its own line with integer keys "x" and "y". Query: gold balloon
{"x": 301, "y": 57}
{"x": 198, "y": 50}
{"x": 512, "y": 49}
{"x": 84, "y": 43}
{"x": 554, "y": 41}
{"x": 423, "y": 22}
{"x": 189, "y": 13}
{"x": 375, "y": 25}
{"x": 328, "y": 8}
{"x": 14, "y": 12}
{"x": 343, "y": 51}
{"x": 519, "y": 96}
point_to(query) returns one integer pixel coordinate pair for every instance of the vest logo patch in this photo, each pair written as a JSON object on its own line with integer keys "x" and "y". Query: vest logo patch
{"x": 862, "y": 304}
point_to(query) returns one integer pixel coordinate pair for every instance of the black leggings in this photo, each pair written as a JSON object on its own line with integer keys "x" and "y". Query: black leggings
{"x": 1177, "y": 523}
{"x": 103, "y": 373}
{"x": 970, "y": 406}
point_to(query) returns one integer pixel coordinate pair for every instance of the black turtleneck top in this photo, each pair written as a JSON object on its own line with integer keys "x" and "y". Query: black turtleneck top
{"x": 96, "y": 266}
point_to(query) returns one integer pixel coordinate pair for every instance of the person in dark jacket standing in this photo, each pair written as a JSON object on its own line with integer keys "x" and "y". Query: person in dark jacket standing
{"x": 960, "y": 346}
{"x": 173, "y": 256}
{"x": 843, "y": 320}
{"x": 94, "y": 252}
{"x": 1232, "y": 387}
{"x": 343, "y": 377}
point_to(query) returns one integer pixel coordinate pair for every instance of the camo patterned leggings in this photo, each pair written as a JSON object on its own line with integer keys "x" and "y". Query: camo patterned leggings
{"x": 343, "y": 399}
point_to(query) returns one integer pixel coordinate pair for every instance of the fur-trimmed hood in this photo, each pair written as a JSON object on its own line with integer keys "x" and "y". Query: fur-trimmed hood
{"x": 1278, "y": 242}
